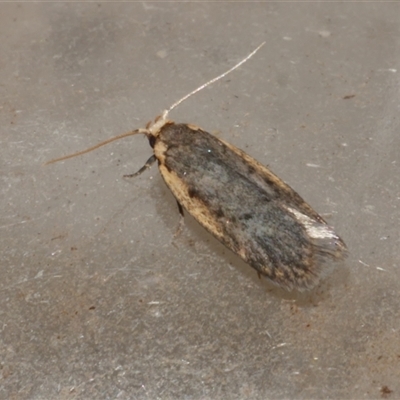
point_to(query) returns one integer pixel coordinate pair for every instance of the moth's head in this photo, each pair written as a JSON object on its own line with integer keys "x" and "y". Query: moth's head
{"x": 153, "y": 128}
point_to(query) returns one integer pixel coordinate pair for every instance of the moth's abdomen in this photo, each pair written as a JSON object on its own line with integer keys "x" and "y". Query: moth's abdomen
{"x": 247, "y": 207}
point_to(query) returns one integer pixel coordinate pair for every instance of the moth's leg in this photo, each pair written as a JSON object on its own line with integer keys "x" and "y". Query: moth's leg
{"x": 181, "y": 220}
{"x": 180, "y": 208}
{"x": 148, "y": 164}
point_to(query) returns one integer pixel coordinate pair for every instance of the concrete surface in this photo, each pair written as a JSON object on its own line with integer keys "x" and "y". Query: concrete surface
{"x": 97, "y": 298}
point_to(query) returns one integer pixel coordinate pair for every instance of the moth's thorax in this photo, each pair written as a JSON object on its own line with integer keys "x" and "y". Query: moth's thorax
{"x": 169, "y": 135}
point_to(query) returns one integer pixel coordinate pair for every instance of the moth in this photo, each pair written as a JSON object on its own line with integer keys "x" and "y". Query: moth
{"x": 240, "y": 201}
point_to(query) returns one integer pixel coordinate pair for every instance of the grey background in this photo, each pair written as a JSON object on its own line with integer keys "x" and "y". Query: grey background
{"x": 98, "y": 300}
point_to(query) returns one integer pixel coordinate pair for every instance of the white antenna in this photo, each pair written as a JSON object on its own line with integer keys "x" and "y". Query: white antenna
{"x": 155, "y": 127}
{"x": 215, "y": 79}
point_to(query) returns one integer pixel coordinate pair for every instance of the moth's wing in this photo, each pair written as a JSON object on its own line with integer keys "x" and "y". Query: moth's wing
{"x": 247, "y": 207}
{"x": 327, "y": 244}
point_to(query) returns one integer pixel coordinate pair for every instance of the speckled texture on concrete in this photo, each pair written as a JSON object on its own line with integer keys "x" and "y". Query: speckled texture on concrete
{"x": 97, "y": 298}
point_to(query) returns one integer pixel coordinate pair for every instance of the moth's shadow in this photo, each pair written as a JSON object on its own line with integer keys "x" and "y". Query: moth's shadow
{"x": 168, "y": 212}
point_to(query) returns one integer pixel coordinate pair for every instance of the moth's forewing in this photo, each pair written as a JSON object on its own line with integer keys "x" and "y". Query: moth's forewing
{"x": 247, "y": 207}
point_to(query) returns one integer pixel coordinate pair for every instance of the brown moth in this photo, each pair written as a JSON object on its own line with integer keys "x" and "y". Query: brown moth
{"x": 240, "y": 201}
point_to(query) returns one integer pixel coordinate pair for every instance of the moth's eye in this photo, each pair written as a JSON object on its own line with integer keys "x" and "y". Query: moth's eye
{"x": 152, "y": 141}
